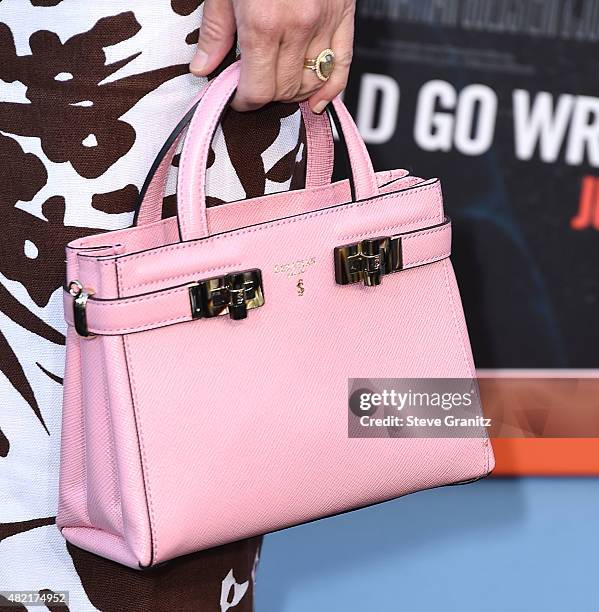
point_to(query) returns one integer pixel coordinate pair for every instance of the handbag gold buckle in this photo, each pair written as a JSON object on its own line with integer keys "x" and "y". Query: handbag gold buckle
{"x": 81, "y": 295}
{"x": 368, "y": 261}
{"x": 233, "y": 294}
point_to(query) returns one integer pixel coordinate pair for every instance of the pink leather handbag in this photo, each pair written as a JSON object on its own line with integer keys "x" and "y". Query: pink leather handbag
{"x": 205, "y": 391}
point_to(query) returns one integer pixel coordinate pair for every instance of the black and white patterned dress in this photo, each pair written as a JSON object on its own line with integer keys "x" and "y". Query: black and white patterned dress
{"x": 89, "y": 91}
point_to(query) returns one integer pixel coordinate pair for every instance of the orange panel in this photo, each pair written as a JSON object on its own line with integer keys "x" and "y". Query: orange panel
{"x": 546, "y": 456}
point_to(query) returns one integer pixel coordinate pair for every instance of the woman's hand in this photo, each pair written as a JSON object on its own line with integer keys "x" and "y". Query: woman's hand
{"x": 275, "y": 37}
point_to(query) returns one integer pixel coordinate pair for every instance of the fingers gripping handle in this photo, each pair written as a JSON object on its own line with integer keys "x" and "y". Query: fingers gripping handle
{"x": 191, "y": 188}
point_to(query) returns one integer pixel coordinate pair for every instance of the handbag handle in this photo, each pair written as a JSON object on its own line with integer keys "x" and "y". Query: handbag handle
{"x": 191, "y": 187}
{"x": 319, "y": 161}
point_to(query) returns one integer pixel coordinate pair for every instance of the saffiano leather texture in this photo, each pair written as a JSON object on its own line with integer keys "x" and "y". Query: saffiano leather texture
{"x": 183, "y": 433}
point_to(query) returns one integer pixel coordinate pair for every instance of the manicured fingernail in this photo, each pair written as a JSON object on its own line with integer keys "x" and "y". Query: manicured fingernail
{"x": 320, "y": 106}
{"x": 198, "y": 62}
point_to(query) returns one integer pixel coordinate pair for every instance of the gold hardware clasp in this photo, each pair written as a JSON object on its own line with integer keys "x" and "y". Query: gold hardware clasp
{"x": 368, "y": 261}
{"x": 233, "y": 294}
{"x": 81, "y": 295}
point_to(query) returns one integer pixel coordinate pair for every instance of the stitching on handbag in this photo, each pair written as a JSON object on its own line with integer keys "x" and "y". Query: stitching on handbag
{"x": 118, "y": 279}
{"x": 279, "y": 195}
{"x": 184, "y": 318}
{"x": 485, "y": 441}
{"x": 116, "y": 536}
{"x": 148, "y": 326}
{"x": 399, "y": 177}
{"x": 427, "y": 232}
{"x": 443, "y": 228}
{"x": 417, "y": 233}
{"x": 109, "y": 415}
{"x": 185, "y": 156}
{"x": 136, "y": 300}
{"x": 137, "y": 421}
{"x": 385, "y": 196}
{"x": 135, "y": 402}
{"x": 420, "y": 262}
{"x": 183, "y": 164}
{"x": 82, "y": 424}
{"x": 83, "y": 431}
{"x": 317, "y": 169}
{"x": 455, "y": 320}
{"x": 112, "y": 439}
{"x": 181, "y": 246}
{"x": 178, "y": 290}
{"x": 189, "y": 244}
{"x": 203, "y": 271}
{"x": 397, "y": 226}
{"x": 148, "y": 227}
{"x": 166, "y": 292}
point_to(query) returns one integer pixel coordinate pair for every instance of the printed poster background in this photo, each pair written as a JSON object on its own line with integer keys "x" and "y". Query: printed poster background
{"x": 501, "y": 100}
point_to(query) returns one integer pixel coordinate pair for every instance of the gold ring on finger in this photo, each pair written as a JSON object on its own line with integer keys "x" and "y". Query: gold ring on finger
{"x": 322, "y": 65}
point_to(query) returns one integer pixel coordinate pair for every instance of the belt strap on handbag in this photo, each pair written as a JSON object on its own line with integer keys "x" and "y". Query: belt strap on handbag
{"x": 366, "y": 260}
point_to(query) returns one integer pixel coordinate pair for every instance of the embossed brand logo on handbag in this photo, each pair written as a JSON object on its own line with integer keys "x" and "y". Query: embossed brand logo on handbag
{"x": 296, "y": 267}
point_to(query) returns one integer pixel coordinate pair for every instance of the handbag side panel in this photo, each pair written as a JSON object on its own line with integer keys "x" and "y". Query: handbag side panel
{"x": 102, "y": 505}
